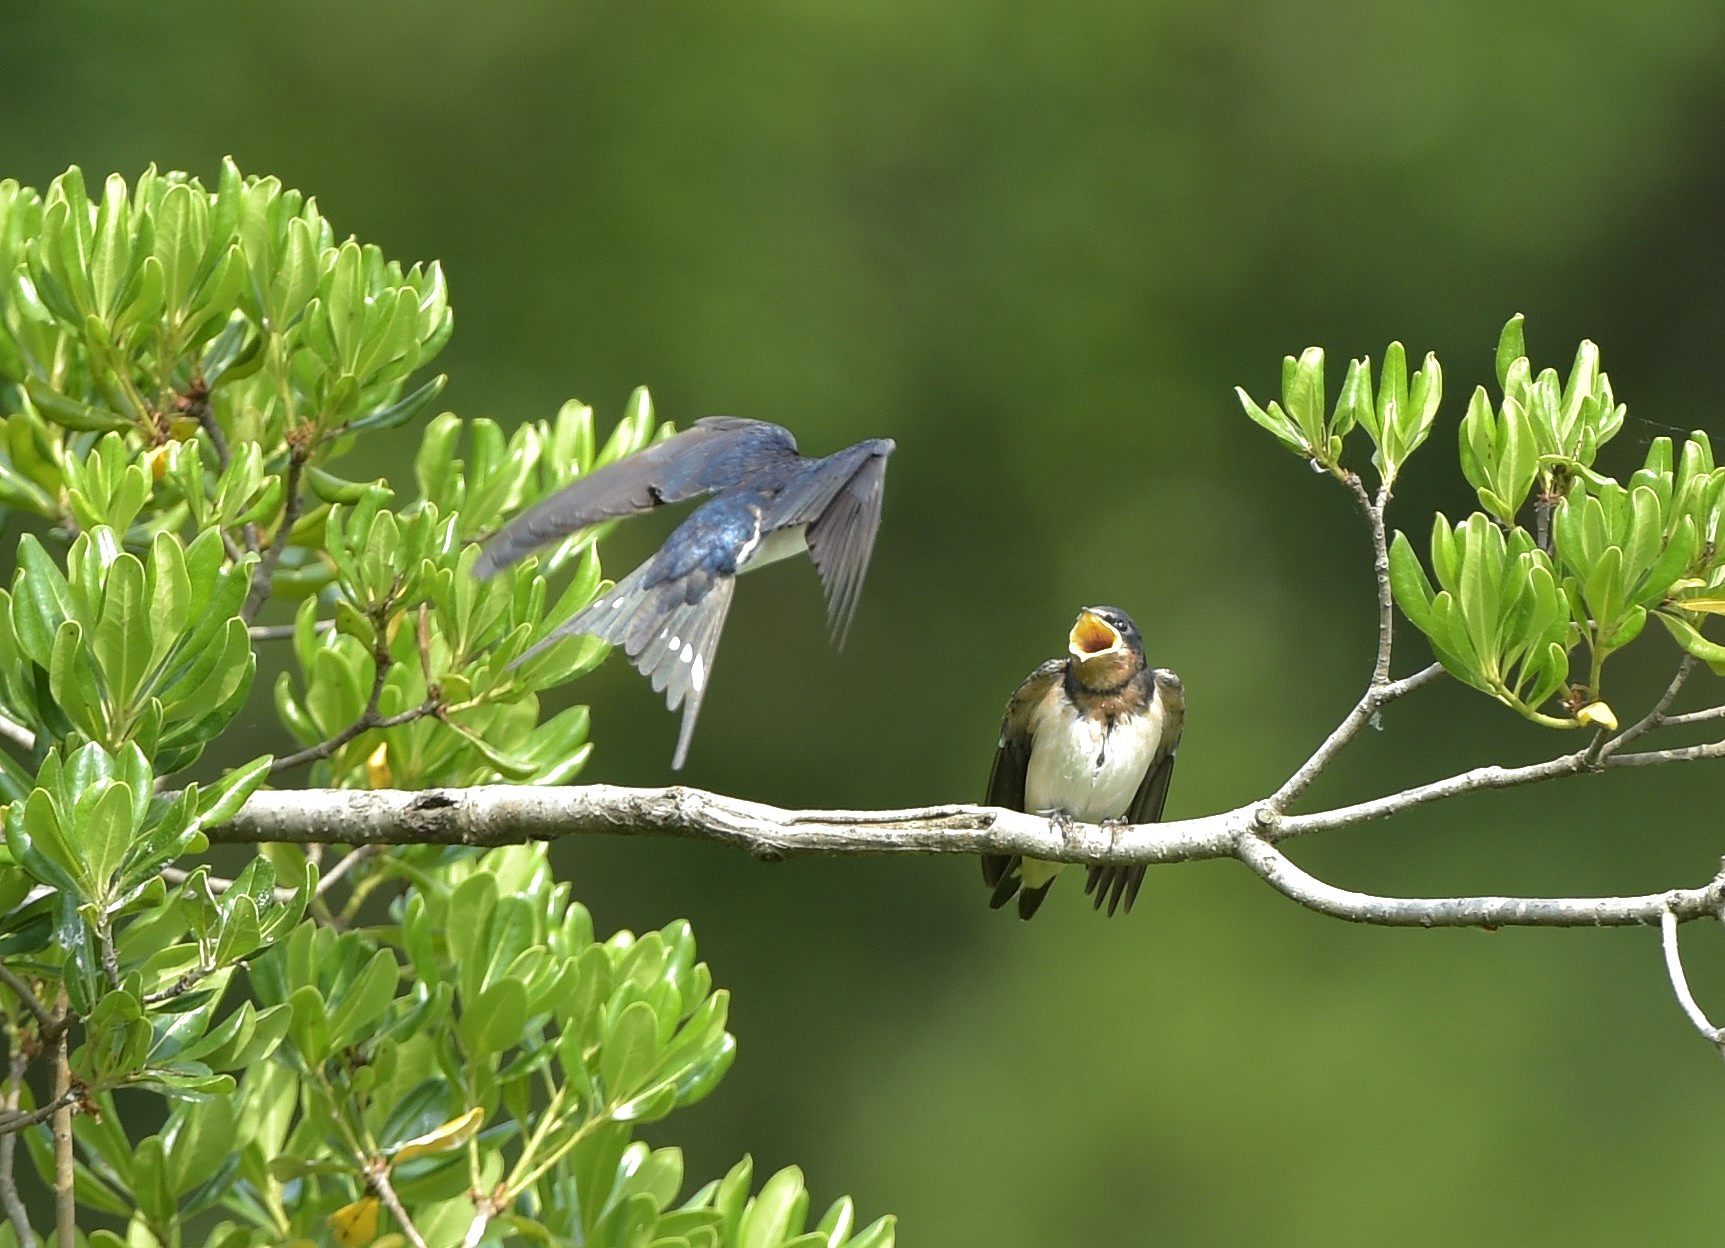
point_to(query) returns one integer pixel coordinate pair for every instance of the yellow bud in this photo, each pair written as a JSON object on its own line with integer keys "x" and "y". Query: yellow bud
{"x": 1597, "y": 715}
{"x": 377, "y": 772}
{"x": 355, "y": 1224}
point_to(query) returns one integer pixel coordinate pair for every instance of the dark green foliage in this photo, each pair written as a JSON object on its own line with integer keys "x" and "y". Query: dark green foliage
{"x": 181, "y": 369}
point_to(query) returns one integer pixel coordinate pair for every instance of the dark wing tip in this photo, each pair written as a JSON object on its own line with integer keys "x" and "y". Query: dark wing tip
{"x": 1030, "y": 900}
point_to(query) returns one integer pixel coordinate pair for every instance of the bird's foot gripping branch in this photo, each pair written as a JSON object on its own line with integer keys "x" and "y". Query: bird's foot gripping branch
{"x": 419, "y": 1042}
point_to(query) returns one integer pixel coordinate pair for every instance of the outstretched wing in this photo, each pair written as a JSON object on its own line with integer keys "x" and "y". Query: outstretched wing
{"x": 668, "y": 629}
{"x": 1002, "y": 872}
{"x": 713, "y": 454}
{"x": 839, "y": 499}
{"x": 1121, "y": 883}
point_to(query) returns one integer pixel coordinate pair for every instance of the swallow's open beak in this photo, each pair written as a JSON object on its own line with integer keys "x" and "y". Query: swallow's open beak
{"x": 1092, "y": 637}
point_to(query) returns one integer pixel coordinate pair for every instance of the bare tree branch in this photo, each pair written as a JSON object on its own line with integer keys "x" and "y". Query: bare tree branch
{"x": 15, "y": 1122}
{"x": 1482, "y": 779}
{"x": 1693, "y": 717}
{"x": 1375, "y": 698}
{"x": 368, "y": 719}
{"x": 1654, "y": 717}
{"x": 386, "y": 1192}
{"x": 1278, "y": 871}
{"x": 284, "y": 632}
{"x": 20, "y": 736}
{"x": 1668, "y": 921}
{"x": 348, "y": 863}
{"x": 493, "y": 815}
{"x": 263, "y": 576}
{"x": 1380, "y": 689}
{"x": 1374, "y": 509}
{"x": 65, "y": 1195}
{"x": 16, "y": 1213}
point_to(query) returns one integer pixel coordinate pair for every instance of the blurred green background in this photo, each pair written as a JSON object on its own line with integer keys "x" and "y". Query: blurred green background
{"x": 1038, "y": 245}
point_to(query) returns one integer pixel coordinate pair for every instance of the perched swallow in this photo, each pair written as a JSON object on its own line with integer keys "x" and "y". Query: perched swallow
{"x": 769, "y": 503}
{"x": 1088, "y": 739}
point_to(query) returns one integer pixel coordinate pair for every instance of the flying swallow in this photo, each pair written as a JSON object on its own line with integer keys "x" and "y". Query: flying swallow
{"x": 1089, "y": 739}
{"x": 769, "y": 503}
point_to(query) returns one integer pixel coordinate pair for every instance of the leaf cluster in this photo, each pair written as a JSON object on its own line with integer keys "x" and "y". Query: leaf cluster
{"x": 1527, "y": 598}
{"x": 182, "y": 369}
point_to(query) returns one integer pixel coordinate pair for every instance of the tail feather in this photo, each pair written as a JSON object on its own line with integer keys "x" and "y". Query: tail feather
{"x": 1001, "y": 870}
{"x": 1115, "y": 885}
{"x": 668, "y": 639}
{"x": 1030, "y": 899}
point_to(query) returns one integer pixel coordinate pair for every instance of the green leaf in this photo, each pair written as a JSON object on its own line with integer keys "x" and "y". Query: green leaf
{"x": 182, "y": 231}
{"x": 1510, "y": 348}
{"x": 773, "y": 1216}
{"x": 881, "y": 1233}
{"x": 394, "y": 415}
{"x": 72, "y": 683}
{"x": 628, "y": 1053}
{"x": 123, "y": 638}
{"x": 240, "y": 933}
{"x": 494, "y": 1022}
{"x": 222, "y": 800}
{"x": 106, "y": 830}
{"x": 1275, "y": 420}
{"x": 1690, "y": 638}
{"x": 310, "y": 1029}
{"x": 1303, "y": 395}
{"x": 365, "y": 1001}
{"x": 42, "y": 600}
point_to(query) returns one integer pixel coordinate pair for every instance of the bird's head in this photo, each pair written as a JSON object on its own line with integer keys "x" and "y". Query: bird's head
{"x": 1106, "y": 647}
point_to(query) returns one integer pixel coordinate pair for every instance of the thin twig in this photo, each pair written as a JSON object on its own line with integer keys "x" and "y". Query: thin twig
{"x": 110, "y": 955}
{"x": 481, "y": 1219}
{"x": 12, "y": 1123}
{"x": 1482, "y": 779}
{"x": 15, "y": 732}
{"x": 264, "y": 574}
{"x": 180, "y": 987}
{"x": 1680, "y": 983}
{"x": 65, "y": 1194}
{"x": 368, "y": 720}
{"x": 1374, "y": 509}
{"x": 16, "y": 1213}
{"x": 198, "y": 404}
{"x": 1380, "y": 689}
{"x": 1375, "y": 698}
{"x": 1278, "y": 871}
{"x": 1655, "y": 717}
{"x": 216, "y": 884}
{"x": 386, "y": 1192}
{"x": 1693, "y": 717}
{"x": 347, "y": 864}
{"x": 285, "y": 632}
{"x": 44, "y": 1017}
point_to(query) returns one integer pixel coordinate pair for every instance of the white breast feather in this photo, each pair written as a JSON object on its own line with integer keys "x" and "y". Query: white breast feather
{"x": 1082, "y": 768}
